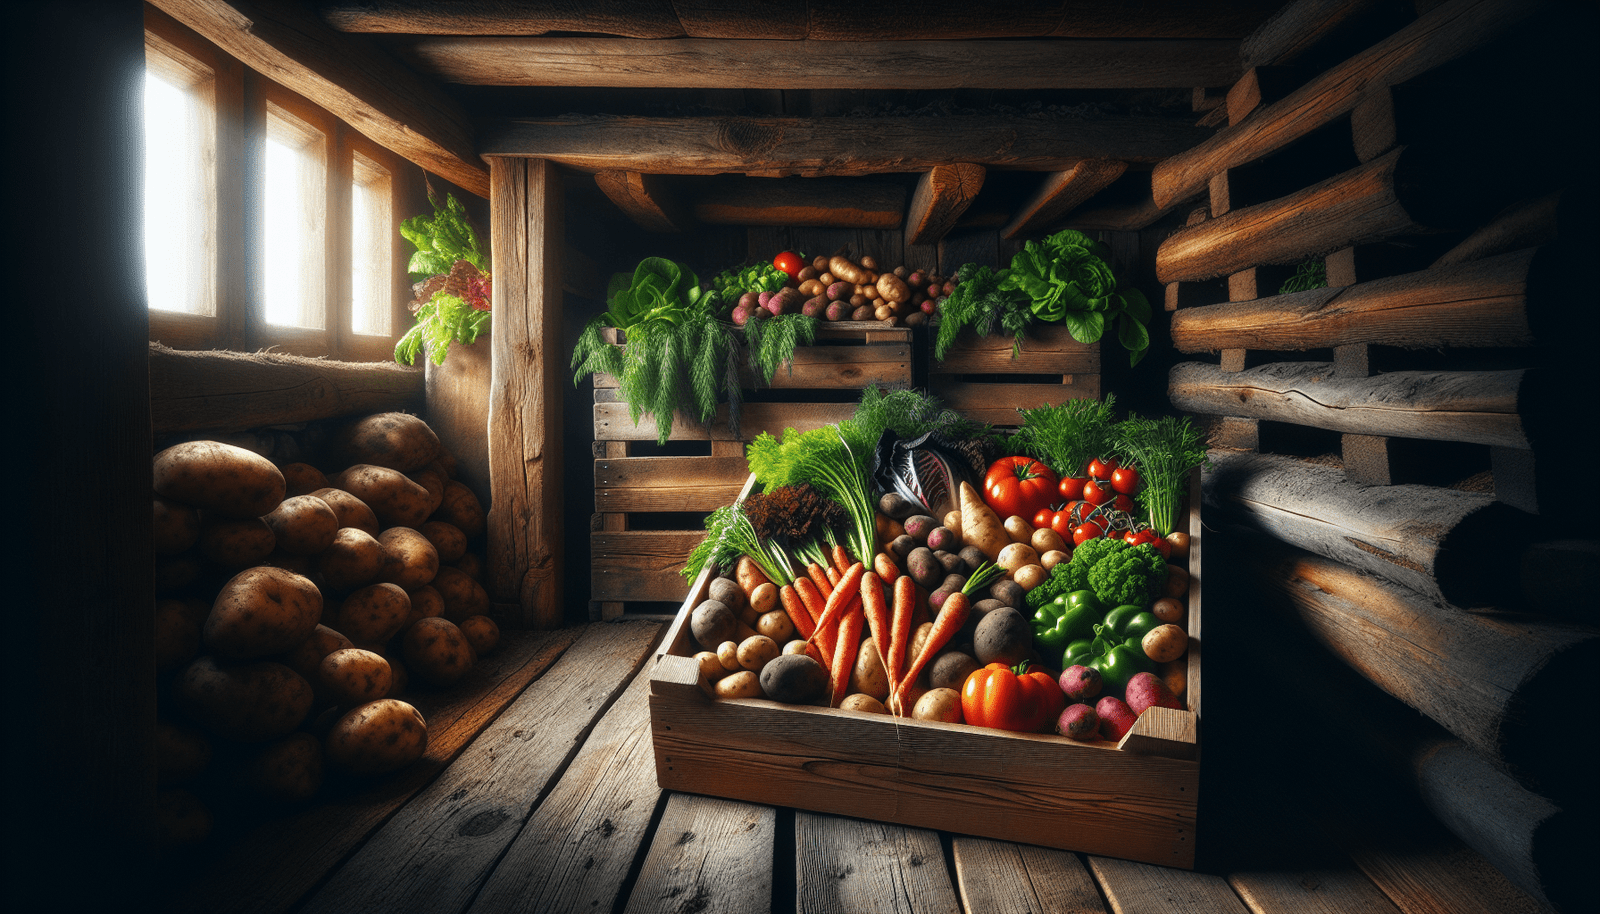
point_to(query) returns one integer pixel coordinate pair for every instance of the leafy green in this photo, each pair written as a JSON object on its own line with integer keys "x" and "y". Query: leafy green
{"x": 1312, "y": 274}
{"x": 772, "y": 341}
{"x": 443, "y": 239}
{"x": 1067, "y": 435}
{"x": 730, "y": 534}
{"x": 442, "y": 320}
{"x": 1164, "y": 450}
{"x": 983, "y": 304}
{"x": 659, "y": 289}
{"x": 760, "y": 277}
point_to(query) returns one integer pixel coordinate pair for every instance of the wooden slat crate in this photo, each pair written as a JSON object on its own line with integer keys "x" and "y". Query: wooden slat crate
{"x": 1136, "y": 799}
{"x": 633, "y": 560}
{"x": 1064, "y": 369}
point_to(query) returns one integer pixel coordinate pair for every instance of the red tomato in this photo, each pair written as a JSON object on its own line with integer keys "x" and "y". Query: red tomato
{"x": 1125, "y": 480}
{"x": 1102, "y": 467}
{"x": 1019, "y": 486}
{"x": 1044, "y": 517}
{"x": 1062, "y": 523}
{"x": 789, "y": 262}
{"x": 1087, "y": 530}
{"x": 1096, "y": 493}
{"x": 1071, "y": 487}
{"x": 1122, "y": 503}
{"x": 1149, "y": 537}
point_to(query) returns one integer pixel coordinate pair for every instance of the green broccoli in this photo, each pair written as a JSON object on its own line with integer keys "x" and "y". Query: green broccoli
{"x": 1086, "y": 556}
{"x": 1131, "y": 575}
{"x": 1056, "y": 584}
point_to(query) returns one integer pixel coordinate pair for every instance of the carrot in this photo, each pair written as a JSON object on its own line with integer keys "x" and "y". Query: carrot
{"x": 798, "y": 614}
{"x": 845, "y": 650}
{"x": 905, "y": 597}
{"x": 876, "y": 610}
{"x": 885, "y": 567}
{"x": 819, "y": 578}
{"x": 841, "y": 558}
{"x": 849, "y": 590}
{"x": 813, "y": 605}
{"x": 952, "y": 615}
{"x": 833, "y": 575}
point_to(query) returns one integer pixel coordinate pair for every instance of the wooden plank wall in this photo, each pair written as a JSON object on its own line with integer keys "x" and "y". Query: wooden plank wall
{"x": 1397, "y": 440}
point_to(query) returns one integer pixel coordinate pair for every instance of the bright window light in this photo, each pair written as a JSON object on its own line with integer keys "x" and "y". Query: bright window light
{"x": 294, "y": 220}
{"x": 371, "y": 247}
{"x": 179, "y": 190}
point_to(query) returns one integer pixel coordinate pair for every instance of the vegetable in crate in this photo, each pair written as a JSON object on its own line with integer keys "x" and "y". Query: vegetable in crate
{"x": 1165, "y": 451}
{"x": 1067, "y": 436}
{"x": 1019, "y": 486}
{"x": 1011, "y": 698}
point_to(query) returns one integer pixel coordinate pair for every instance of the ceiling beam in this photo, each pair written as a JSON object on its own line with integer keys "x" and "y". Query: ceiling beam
{"x": 692, "y": 63}
{"x": 839, "y": 146}
{"x": 650, "y": 206}
{"x": 943, "y": 194}
{"x": 357, "y": 82}
{"x": 1061, "y": 193}
{"x": 809, "y": 203}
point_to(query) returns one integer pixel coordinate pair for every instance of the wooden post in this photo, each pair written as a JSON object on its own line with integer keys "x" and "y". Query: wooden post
{"x": 525, "y": 521}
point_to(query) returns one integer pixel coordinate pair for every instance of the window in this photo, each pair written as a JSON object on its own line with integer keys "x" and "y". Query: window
{"x": 268, "y": 221}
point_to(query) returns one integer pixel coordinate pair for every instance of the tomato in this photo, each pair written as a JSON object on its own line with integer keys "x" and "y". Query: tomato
{"x": 1088, "y": 530}
{"x": 1019, "y": 486}
{"x": 789, "y": 262}
{"x": 1062, "y": 523}
{"x": 1097, "y": 494}
{"x": 1122, "y": 503}
{"x": 1125, "y": 480}
{"x": 1011, "y": 698}
{"x": 1044, "y": 518}
{"x": 1149, "y": 537}
{"x": 1071, "y": 487}
{"x": 1102, "y": 467}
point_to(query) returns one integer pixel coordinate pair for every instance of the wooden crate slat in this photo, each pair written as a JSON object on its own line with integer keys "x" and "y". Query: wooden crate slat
{"x": 1046, "y": 350}
{"x": 997, "y": 404}
{"x": 642, "y": 484}
{"x": 640, "y": 564}
{"x": 827, "y": 368}
{"x": 612, "y": 423}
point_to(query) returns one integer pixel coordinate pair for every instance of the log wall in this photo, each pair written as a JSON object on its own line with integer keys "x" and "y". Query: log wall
{"x": 1396, "y": 441}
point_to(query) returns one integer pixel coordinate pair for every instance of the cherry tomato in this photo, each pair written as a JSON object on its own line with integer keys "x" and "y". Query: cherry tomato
{"x": 1125, "y": 480}
{"x": 1071, "y": 487}
{"x": 789, "y": 262}
{"x": 1122, "y": 503}
{"x": 1044, "y": 517}
{"x": 1088, "y": 530}
{"x": 1148, "y": 536}
{"x": 1102, "y": 467}
{"x": 1095, "y": 493}
{"x": 1063, "y": 523}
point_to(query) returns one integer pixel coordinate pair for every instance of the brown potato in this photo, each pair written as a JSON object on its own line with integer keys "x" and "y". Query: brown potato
{"x": 351, "y": 511}
{"x": 173, "y": 527}
{"x": 432, "y": 482}
{"x": 462, "y": 595}
{"x": 289, "y": 770}
{"x": 302, "y": 565}
{"x": 374, "y": 614}
{"x": 236, "y": 542}
{"x": 408, "y": 558}
{"x": 262, "y": 611}
{"x": 471, "y": 564}
{"x": 425, "y": 603}
{"x": 461, "y": 508}
{"x": 306, "y": 657}
{"x": 399, "y": 441}
{"x": 869, "y": 677}
{"x": 218, "y": 477}
{"x": 377, "y": 738}
{"x": 393, "y": 497}
{"x": 250, "y": 702}
{"x": 352, "y": 560}
{"x": 939, "y": 704}
{"x": 302, "y": 479}
{"x": 482, "y": 632}
{"x": 353, "y": 676}
{"x": 447, "y": 540}
{"x": 436, "y": 651}
{"x": 303, "y": 524}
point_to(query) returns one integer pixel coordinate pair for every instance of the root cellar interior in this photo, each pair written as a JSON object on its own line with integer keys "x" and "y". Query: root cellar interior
{"x": 1345, "y": 238}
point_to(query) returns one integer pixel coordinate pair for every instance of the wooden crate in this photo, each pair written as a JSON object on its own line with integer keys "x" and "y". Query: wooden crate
{"x": 1135, "y": 800}
{"x": 979, "y": 377}
{"x": 633, "y": 560}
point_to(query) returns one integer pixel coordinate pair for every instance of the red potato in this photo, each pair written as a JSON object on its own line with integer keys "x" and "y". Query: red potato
{"x": 1079, "y": 721}
{"x": 1145, "y": 691}
{"x": 1116, "y": 718}
{"x": 1079, "y": 683}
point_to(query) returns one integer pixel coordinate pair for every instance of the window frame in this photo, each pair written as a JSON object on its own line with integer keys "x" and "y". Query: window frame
{"x": 241, "y": 98}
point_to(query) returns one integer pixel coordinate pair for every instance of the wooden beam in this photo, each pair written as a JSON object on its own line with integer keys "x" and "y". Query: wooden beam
{"x": 215, "y": 390}
{"x": 1479, "y": 304}
{"x": 623, "y": 18}
{"x": 1296, "y": 28}
{"x": 527, "y": 390}
{"x": 698, "y": 63}
{"x": 838, "y": 146}
{"x": 357, "y": 82}
{"x": 650, "y": 206}
{"x": 943, "y": 193}
{"x": 1442, "y": 35}
{"x": 1061, "y": 193}
{"x": 1526, "y": 225}
{"x": 1479, "y": 407}
{"x": 1492, "y": 683}
{"x": 1398, "y": 533}
{"x": 807, "y": 202}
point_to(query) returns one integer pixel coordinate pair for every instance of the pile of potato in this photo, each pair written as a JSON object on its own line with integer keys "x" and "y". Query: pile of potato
{"x": 294, "y": 608}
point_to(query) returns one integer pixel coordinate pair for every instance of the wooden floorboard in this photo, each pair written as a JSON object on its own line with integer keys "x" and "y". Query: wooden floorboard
{"x": 436, "y": 853}
{"x": 1000, "y": 877}
{"x": 709, "y": 856}
{"x": 845, "y": 866}
{"x": 277, "y": 863}
{"x": 1142, "y": 888}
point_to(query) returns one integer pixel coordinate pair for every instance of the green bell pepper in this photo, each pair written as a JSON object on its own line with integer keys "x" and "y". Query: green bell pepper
{"x": 1065, "y": 619}
{"x": 1117, "y": 651}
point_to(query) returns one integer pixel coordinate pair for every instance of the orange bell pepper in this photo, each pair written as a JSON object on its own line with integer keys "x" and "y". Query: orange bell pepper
{"x": 1011, "y": 698}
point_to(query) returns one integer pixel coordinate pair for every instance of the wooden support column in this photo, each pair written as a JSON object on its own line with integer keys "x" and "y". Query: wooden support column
{"x": 525, "y": 523}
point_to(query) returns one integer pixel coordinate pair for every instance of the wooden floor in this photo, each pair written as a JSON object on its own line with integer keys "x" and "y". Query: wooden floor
{"x": 538, "y": 794}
